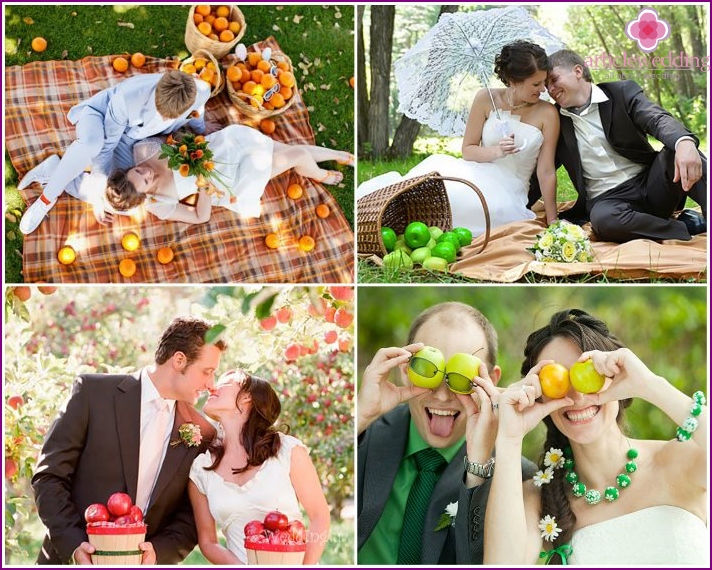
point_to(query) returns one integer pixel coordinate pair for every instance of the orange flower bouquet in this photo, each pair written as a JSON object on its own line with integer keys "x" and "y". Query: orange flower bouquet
{"x": 191, "y": 156}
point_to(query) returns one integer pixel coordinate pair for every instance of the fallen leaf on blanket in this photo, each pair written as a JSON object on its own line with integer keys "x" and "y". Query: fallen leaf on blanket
{"x": 297, "y": 19}
{"x": 11, "y": 236}
{"x": 126, "y": 25}
{"x": 29, "y": 21}
{"x": 10, "y": 218}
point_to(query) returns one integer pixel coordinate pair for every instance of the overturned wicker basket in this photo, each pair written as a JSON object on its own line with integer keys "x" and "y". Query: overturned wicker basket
{"x": 194, "y": 40}
{"x": 422, "y": 199}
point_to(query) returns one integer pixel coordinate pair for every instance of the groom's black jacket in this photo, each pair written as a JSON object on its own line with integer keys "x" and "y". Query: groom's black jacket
{"x": 627, "y": 118}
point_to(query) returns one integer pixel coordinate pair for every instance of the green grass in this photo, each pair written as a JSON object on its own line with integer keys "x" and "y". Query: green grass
{"x": 318, "y": 37}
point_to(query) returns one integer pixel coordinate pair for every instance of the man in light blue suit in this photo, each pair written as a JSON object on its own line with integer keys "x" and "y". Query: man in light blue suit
{"x": 108, "y": 124}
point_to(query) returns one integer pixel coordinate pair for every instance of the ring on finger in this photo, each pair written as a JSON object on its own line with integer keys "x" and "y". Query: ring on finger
{"x": 495, "y": 407}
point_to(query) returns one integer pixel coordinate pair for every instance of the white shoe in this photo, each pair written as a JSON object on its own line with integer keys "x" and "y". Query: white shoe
{"x": 40, "y": 173}
{"x": 34, "y": 215}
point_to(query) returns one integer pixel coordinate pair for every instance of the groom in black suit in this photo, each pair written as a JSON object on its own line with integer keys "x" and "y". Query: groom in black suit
{"x": 94, "y": 447}
{"x": 626, "y": 188}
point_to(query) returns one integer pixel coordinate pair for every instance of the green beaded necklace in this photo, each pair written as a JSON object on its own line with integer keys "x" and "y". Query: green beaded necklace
{"x": 593, "y": 496}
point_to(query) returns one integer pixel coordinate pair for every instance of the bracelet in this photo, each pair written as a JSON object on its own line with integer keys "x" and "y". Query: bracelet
{"x": 688, "y": 427}
{"x": 482, "y": 470}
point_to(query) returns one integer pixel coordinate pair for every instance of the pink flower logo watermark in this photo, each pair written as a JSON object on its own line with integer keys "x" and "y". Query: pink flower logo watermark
{"x": 647, "y": 29}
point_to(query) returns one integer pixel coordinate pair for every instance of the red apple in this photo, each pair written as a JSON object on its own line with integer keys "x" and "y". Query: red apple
{"x": 23, "y": 293}
{"x": 15, "y": 401}
{"x": 284, "y": 314}
{"x": 136, "y": 513}
{"x": 274, "y": 520}
{"x": 292, "y": 352}
{"x": 119, "y": 504}
{"x": 96, "y": 512}
{"x": 341, "y": 293}
{"x": 269, "y": 323}
{"x": 343, "y": 318}
{"x": 330, "y": 337}
{"x": 46, "y": 289}
{"x": 297, "y": 531}
{"x": 124, "y": 520}
{"x": 254, "y": 527}
{"x": 10, "y": 467}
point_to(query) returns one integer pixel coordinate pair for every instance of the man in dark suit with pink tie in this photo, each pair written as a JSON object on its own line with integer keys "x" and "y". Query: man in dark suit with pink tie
{"x": 105, "y": 441}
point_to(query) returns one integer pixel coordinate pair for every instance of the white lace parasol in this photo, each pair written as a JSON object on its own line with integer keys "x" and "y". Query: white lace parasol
{"x": 438, "y": 77}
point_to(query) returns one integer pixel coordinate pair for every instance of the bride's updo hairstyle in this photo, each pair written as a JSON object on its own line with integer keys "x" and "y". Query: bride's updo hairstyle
{"x": 588, "y": 333}
{"x": 175, "y": 93}
{"x": 121, "y": 193}
{"x": 518, "y": 61}
{"x": 260, "y": 434}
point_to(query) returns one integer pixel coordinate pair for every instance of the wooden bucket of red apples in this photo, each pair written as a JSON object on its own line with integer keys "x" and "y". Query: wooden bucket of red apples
{"x": 115, "y": 530}
{"x": 275, "y": 541}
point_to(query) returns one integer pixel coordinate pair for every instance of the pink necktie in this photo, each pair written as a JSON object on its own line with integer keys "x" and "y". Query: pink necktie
{"x": 151, "y": 452}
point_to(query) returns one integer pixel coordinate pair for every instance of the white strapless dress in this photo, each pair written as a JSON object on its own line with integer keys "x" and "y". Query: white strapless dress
{"x": 243, "y": 161}
{"x": 504, "y": 182}
{"x": 661, "y": 536}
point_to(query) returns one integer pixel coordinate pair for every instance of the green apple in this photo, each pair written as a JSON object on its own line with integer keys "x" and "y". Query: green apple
{"x": 427, "y": 368}
{"x": 452, "y": 238}
{"x": 464, "y": 235}
{"x": 585, "y": 378}
{"x": 435, "y": 264}
{"x": 431, "y": 243}
{"x": 416, "y": 235}
{"x": 419, "y": 255}
{"x": 445, "y": 250}
{"x": 389, "y": 238}
{"x": 435, "y": 232}
{"x": 401, "y": 246}
{"x": 461, "y": 369}
{"x": 397, "y": 260}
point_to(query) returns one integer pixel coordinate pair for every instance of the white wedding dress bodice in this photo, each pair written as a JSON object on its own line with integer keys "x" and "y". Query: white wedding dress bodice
{"x": 660, "y": 535}
{"x": 233, "y": 506}
{"x": 504, "y": 182}
{"x": 243, "y": 163}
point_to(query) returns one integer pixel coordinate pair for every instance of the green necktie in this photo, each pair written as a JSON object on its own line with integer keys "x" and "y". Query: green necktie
{"x": 430, "y": 464}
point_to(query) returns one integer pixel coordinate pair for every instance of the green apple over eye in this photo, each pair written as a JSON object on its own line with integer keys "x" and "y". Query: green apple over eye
{"x": 460, "y": 370}
{"x": 426, "y": 368}
{"x": 585, "y": 378}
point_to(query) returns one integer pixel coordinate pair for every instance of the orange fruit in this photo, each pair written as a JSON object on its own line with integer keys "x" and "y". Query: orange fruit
{"x": 234, "y": 27}
{"x": 283, "y": 65}
{"x": 138, "y": 59}
{"x": 268, "y": 81}
{"x": 267, "y": 126}
{"x": 203, "y": 9}
{"x": 130, "y": 241}
{"x": 286, "y": 92}
{"x": 248, "y": 87}
{"x": 286, "y": 78}
{"x": 233, "y": 73}
{"x": 264, "y": 65}
{"x": 306, "y": 243}
{"x": 205, "y": 28}
{"x": 277, "y": 100}
{"x": 197, "y": 18}
{"x": 66, "y": 255}
{"x": 257, "y": 75}
{"x": 554, "y": 379}
{"x": 226, "y": 36}
{"x": 295, "y": 191}
{"x": 164, "y": 255}
{"x": 322, "y": 210}
{"x": 352, "y": 82}
{"x": 127, "y": 267}
{"x": 220, "y": 24}
{"x": 120, "y": 64}
{"x": 253, "y": 58}
{"x": 272, "y": 241}
{"x": 39, "y": 44}
{"x": 223, "y": 11}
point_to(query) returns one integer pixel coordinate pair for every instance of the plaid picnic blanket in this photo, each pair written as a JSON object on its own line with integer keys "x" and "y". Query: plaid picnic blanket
{"x": 226, "y": 249}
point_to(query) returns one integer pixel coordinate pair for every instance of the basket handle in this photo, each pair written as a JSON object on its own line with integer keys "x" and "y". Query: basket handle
{"x": 482, "y": 199}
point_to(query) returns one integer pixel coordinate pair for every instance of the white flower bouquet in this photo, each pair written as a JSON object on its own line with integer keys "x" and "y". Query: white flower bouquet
{"x": 562, "y": 242}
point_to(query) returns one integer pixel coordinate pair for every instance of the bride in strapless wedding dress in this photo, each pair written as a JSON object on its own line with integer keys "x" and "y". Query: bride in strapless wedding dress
{"x": 510, "y": 134}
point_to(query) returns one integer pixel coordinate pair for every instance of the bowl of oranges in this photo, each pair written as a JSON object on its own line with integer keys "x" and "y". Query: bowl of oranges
{"x": 262, "y": 84}
{"x": 213, "y": 28}
{"x": 203, "y": 65}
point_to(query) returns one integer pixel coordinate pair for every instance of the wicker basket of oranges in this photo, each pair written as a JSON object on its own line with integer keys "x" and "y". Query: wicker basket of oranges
{"x": 262, "y": 85}
{"x": 203, "y": 65}
{"x": 216, "y": 29}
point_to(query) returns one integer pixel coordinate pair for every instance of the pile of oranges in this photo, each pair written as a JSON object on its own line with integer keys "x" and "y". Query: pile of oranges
{"x": 265, "y": 84}
{"x": 214, "y": 22}
{"x": 202, "y": 68}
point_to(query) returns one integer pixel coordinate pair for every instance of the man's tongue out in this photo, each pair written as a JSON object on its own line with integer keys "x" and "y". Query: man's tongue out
{"x": 441, "y": 422}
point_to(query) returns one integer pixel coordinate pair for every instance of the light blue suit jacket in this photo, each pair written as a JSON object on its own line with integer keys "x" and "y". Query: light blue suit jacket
{"x": 129, "y": 110}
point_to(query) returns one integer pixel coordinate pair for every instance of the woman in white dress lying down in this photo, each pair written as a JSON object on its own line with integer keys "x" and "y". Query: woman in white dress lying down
{"x": 501, "y": 148}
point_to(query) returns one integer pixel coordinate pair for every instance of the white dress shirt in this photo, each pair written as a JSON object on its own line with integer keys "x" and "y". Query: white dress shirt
{"x": 603, "y": 167}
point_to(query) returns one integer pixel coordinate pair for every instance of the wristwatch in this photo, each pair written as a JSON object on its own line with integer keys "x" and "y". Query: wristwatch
{"x": 483, "y": 470}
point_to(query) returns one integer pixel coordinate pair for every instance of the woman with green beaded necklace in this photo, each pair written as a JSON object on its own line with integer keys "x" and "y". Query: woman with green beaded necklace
{"x": 599, "y": 497}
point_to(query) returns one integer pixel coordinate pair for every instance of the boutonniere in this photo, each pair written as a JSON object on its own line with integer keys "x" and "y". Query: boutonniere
{"x": 189, "y": 435}
{"x": 448, "y": 517}
{"x": 194, "y": 115}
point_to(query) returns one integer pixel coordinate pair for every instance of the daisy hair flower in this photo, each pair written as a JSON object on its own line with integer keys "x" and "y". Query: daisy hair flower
{"x": 554, "y": 458}
{"x": 189, "y": 435}
{"x": 548, "y": 528}
{"x": 543, "y": 477}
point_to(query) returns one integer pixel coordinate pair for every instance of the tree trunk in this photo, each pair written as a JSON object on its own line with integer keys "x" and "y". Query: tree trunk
{"x": 382, "y": 21}
{"x": 362, "y": 102}
{"x": 408, "y": 129}
{"x": 685, "y": 78}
